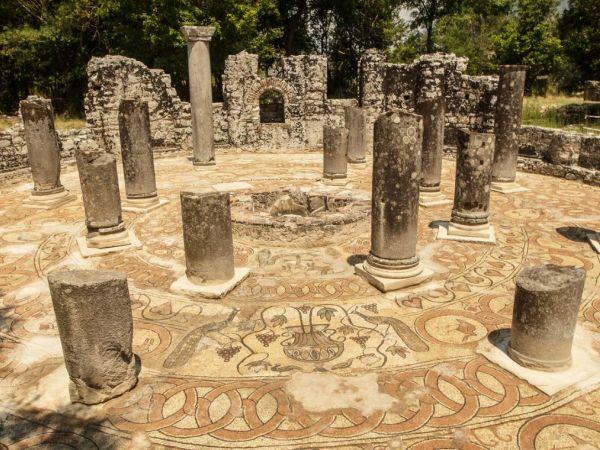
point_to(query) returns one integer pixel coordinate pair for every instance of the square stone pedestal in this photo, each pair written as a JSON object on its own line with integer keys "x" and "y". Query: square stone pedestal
{"x": 583, "y": 373}
{"x": 429, "y": 199}
{"x": 391, "y": 284}
{"x": 335, "y": 181}
{"x": 467, "y": 233}
{"x": 89, "y": 249}
{"x": 594, "y": 239}
{"x": 185, "y": 286}
{"x": 142, "y": 205}
{"x": 507, "y": 188}
{"x": 50, "y": 201}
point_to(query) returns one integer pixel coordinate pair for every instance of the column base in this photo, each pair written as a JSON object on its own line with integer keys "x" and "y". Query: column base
{"x": 335, "y": 180}
{"x": 143, "y": 205}
{"x": 184, "y": 286}
{"x": 467, "y": 233}
{"x": 102, "y": 244}
{"x": 200, "y": 163}
{"x": 429, "y": 199}
{"x": 391, "y": 280}
{"x": 358, "y": 162}
{"x": 538, "y": 364}
{"x": 80, "y": 392}
{"x": 49, "y": 201}
{"x": 594, "y": 240}
{"x": 508, "y": 187}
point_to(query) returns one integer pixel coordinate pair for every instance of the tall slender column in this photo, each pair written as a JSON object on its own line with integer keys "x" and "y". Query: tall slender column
{"x": 198, "y": 41}
{"x": 356, "y": 124}
{"x": 433, "y": 112}
{"x": 102, "y": 202}
{"x": 547, "y": 300}
{"x": 93, "y": 313}
{"x": 471, "y": 211}
{"x": 138, "y": 159}
{"x": 509, "y": 106}
{"x": 208, "y": 245}
{"x": 335, "y": 147}
{"x": 393, "y": 262}
{"x": 43, "y": 151}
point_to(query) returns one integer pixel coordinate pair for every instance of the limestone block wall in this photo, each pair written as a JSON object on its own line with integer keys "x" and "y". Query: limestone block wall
{"x": 302, "y": 82}
{"x": 470, "y": 101}
{"x": 13, "y": 150}
{"x": 113, "y": 78}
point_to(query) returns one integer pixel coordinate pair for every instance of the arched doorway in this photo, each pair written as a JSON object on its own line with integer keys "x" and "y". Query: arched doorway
{"x": 272, "y": 106}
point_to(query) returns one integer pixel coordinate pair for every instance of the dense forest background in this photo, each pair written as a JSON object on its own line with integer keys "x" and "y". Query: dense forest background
{"x": 45, "y": 45}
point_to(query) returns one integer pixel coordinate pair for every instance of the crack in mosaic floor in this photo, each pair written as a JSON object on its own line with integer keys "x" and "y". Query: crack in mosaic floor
{"x": 304, "y": 353}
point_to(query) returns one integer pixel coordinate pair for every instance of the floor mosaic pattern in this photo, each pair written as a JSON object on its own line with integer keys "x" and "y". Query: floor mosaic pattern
{"x": 269, "y": 366}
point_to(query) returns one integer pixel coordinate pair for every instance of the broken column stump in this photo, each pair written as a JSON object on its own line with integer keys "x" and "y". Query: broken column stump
{"x": 93, "y": 312}
{"x": 547, "y": 300}
{"x": 106, "y": 230}
{"x": 509, "y": 107}
{"x": 393, "y": 262}
{"x": 43, "y": 152}
{"x": 335, "y": 147}
{"x": 208, "y": 245}
{"x": 471, "y": 210}
{"x": 356, "y": 124}
{"x": 433, "y": 112}
{"x": 138, "y": 158}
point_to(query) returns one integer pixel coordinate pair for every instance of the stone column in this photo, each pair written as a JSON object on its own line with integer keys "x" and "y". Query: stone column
{"x": 433, "y": 112}
{"x": 43, "y": 152}
{"x": 393, "y": 262}
{"x": 138, "y": 159}
{"x": 208, "y": 245}
{"x": 471, "y": 211}
{"x": 101, "y": 200}
{"x": 335, "y": 147}
{"x": 93, "y": 312}
{"x": 356, "y": 124}
{"x": 547, "y": 300}
{"x": 509, "y": 106}
{"x": 198, "y": 39}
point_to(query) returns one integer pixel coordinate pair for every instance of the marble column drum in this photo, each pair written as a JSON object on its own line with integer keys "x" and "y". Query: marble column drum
{"x": 208, "y": 245}
{"x": 93, "y": 313}
{"x": 509, "y": 106}
{"x": 198, "y": 42}
{"x": 102, "y": 202}
{"x": 356, "y": 124}
{"x": 335, "y": 147}
{"x": 137, "y": 157}
{"x": 433, "y": 112}
{"x": 43, "y": 152}
{"x": 547, "y": 300}
{"x": 393, "y": 262}
{"x": 471, "y": 210}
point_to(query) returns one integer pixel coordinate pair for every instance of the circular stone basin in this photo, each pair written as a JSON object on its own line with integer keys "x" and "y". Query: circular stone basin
{"x": 305, "y": 217}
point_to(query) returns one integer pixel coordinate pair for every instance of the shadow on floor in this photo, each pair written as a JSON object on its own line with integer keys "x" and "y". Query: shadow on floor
{"x": 575, "y": 234}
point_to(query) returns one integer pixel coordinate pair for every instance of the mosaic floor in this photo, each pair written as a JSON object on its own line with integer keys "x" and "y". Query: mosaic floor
{"x": 384, "y": 371}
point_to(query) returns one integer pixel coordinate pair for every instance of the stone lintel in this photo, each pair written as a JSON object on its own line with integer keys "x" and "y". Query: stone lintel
{"x": 197, "y": 33}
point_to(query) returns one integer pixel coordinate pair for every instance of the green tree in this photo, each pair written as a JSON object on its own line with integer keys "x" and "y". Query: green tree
{"x": 426, "y": 13}
{"x": 579, "y": 30}
{"x": 530, "y": 37}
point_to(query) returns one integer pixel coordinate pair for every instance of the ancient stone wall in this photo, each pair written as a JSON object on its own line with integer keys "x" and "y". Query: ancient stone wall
{"x": 13, "y": 150}
{"x": 470, "y": 101}
{"x": 112, "y": 78}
